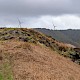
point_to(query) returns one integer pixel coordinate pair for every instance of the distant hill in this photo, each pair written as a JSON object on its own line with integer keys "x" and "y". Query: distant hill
{"x": 67, "y": 36}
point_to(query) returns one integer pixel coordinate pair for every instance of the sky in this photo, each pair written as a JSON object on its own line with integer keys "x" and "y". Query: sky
{"x": 64, "y": 14}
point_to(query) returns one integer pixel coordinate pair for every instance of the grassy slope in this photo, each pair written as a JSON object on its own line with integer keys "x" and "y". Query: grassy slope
{"x": 5, "y": 66}
{"x": 30, "y": 61}
{"x": 13, "y": 48}
{"x": 29, "y": 35}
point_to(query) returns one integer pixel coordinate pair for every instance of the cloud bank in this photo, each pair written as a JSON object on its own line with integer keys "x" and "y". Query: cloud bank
{"x": 39, "y": 7}
{"x": 40, "y": 13}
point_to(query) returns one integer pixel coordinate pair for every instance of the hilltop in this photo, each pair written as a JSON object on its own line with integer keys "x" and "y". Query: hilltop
{"x": 26, "y": 54}
{"x": 33, "y": 36}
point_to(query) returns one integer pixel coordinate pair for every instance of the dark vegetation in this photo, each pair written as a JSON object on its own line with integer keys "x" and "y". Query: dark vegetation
{"x": 32, "y": 36}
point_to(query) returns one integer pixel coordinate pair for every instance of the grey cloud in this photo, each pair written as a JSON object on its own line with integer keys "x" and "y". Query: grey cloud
{"x": 30, "y": 10}
{"x": 39, "y": 7}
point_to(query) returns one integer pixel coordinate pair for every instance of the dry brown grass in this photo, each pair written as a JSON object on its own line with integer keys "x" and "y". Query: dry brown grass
{"x": 36, "y": 62}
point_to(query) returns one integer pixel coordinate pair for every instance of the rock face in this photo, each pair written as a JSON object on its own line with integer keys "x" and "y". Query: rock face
{"x": 30, "y": 61}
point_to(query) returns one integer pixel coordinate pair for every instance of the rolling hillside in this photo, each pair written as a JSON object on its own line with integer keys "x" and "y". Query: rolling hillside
{"x": 26, "y": 54}
{"x": 66, "y": 36}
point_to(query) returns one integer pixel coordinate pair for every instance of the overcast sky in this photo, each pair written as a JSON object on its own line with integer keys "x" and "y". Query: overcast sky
{"x": 65, "y": 14}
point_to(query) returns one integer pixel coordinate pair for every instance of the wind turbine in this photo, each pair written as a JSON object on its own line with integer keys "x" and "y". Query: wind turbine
{"x": 54, "y": 26}
{"x": 19, "y": 22}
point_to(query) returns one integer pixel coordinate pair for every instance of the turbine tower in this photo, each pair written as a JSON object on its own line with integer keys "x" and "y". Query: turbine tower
{"x": 54, "y": 26}
{"x": 19, "y": 22}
